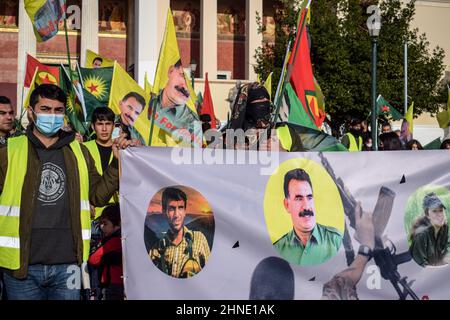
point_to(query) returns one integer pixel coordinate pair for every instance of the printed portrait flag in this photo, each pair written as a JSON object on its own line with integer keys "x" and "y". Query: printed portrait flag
{"x": 147, "y": 85}
{"x": 169, "y": 55}
{"x": 121, "y": 85}
{"x": 91, "y": 56}
{"x": 45, "y": 16}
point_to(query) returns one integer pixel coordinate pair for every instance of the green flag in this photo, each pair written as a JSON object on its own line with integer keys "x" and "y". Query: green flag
{"x": 308, "y": 139}
{"x": 80, "y": 103}
{"x": 98, "y": 82}
{"x": 295, "y": 112}
{"x": 433, "y": 145}
{"x": 384, "y": 108}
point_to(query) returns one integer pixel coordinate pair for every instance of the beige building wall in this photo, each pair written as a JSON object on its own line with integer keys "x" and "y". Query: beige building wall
{"x": 433, "y": 19}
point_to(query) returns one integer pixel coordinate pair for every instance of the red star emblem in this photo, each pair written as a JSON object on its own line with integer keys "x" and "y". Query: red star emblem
{"x": 46, "y": 80}
{"x": 93, "y": 88}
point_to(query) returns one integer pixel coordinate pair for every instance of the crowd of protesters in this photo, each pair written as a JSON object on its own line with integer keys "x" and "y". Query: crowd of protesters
{"x": 70, "y": 221}
{"x": 359, "y": 138}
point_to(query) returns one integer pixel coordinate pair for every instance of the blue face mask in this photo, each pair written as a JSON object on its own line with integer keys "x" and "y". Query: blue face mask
{"x": 49, "y": 124}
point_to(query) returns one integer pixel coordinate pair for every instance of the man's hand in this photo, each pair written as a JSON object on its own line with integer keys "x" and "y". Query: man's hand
{"x": 136, "y": 143}
{"x": 120, "y": 143}
{"x": 365, "y": 233}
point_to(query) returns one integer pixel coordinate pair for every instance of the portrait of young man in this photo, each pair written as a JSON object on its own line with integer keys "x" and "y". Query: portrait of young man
{"x": 181, "y": 252}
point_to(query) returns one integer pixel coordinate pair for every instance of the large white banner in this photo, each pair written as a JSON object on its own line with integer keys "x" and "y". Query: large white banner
{"x": 240, "y": 225}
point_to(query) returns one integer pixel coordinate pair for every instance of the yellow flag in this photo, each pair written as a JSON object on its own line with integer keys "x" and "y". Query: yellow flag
{"x": 31, "y": 88}
{"x": 169, "y": 56}
{"x": 409, "y": 117}
{"x": 268, "y": 84}
{"x": 101, "y": 62}
{"x": 192, "y": 95}
{"x": 443, "y": 117}
{"x": 147, "y": 85}
{"x": 121, "y": 85}
{"x": 448, "y": 101}
{"x": 45, "y": 16}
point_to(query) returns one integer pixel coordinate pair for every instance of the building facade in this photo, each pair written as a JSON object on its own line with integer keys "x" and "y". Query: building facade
{"x": 219, "y": 36}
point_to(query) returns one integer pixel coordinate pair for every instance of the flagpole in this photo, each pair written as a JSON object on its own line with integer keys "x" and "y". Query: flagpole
{"x": 68, "y": 48}
{"x": 153, "y": 104}
{"x": 281, "y": 83}
{"x": 80, "y": 75}
{"x": 406, "y": 76}
{"x": 70, "y": 68}
{"x": 302, "y": 28}
{"x": 23, "y": 88}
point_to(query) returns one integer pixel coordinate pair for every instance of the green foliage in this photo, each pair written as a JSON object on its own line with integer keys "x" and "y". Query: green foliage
{"x": 270, "y": 57}
{"x": 342, "y": 56}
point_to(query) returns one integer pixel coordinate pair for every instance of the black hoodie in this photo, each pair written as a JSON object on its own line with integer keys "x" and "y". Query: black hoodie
{"x": 51, "y": 235}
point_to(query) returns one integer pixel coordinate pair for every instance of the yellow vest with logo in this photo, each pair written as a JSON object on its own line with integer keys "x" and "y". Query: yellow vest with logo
{"x": 93, "y": 150}
{"x": 354, "y": 147}
{"x": 10, "y": 201}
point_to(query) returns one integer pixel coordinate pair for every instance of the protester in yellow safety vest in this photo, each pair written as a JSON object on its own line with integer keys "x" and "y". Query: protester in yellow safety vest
{"x": 353, "y": 140}
{"x": 46, "y": 182}
{"x": 101, "y": 148}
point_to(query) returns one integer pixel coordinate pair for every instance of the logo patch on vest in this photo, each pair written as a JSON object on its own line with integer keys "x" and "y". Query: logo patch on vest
{"x": 53, "y": 183}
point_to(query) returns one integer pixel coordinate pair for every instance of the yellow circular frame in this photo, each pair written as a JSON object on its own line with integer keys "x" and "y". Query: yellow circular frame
{"x": 327, "y": 200}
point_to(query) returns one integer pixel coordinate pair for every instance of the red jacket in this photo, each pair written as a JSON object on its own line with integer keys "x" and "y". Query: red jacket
{"x": 108, "y": 257}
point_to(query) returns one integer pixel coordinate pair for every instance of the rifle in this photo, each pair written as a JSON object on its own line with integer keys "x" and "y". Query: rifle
{"x": 385, "y": 257}
{"x": 349, "y": 204}
{"x": 387, "y": 261}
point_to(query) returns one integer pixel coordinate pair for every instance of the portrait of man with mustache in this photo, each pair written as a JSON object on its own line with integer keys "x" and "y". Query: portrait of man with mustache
{"x": 308, "y": 243}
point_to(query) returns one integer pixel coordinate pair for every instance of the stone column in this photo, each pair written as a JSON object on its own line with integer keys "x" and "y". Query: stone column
{"x": 253, "y": 40}
{"x": 163, "y": 7}
{"x": 27, "y": 44}
{"x": 150, "y": 19}
{"x": 89, "y": 28}
{"x": 208, "y": 41}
